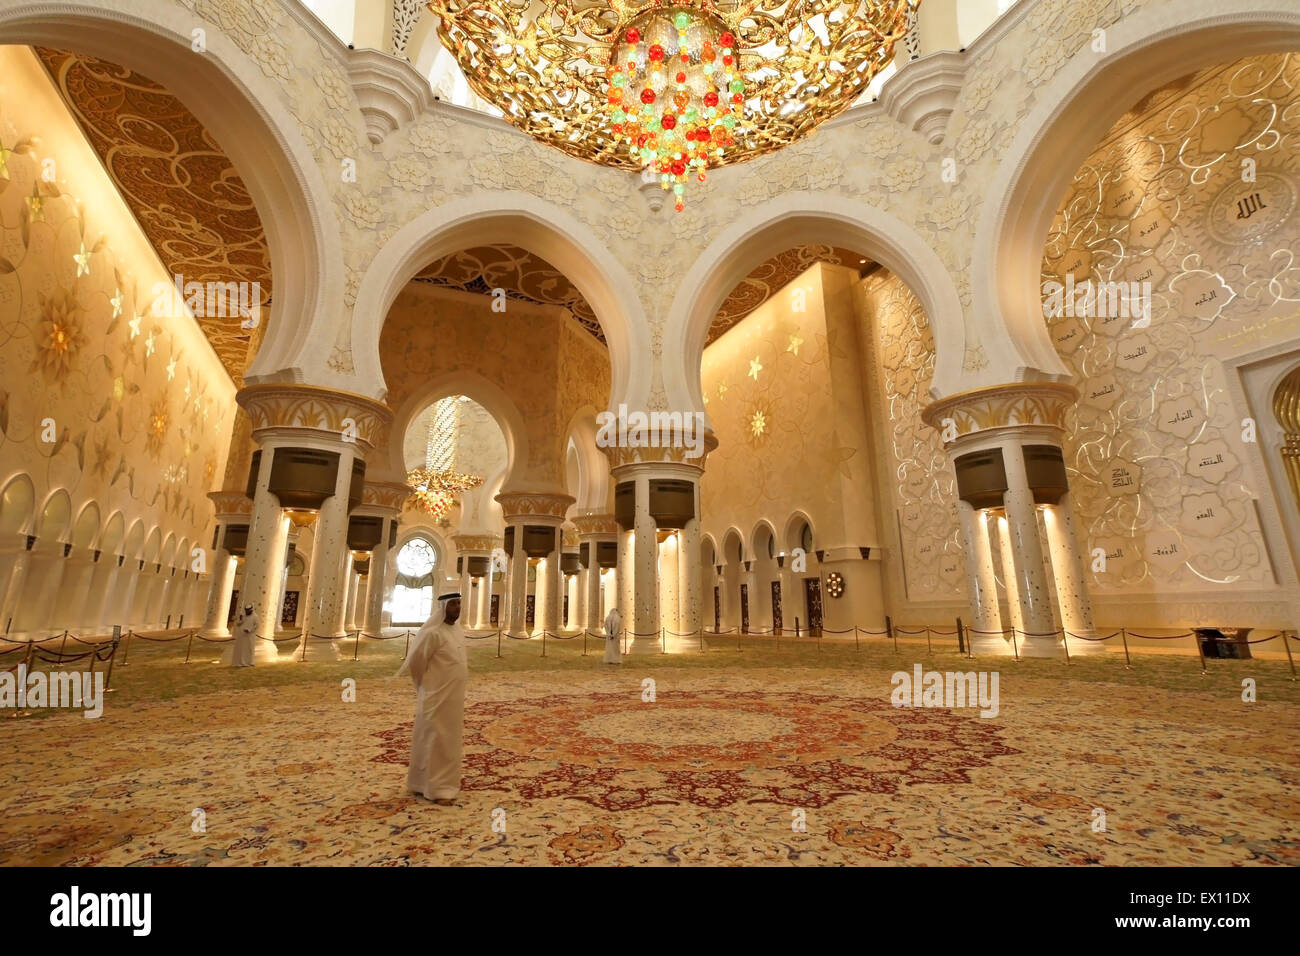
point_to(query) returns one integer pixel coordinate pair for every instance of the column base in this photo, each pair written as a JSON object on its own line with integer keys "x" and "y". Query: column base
{"x": 1040, "y": 646}
{"x": 215, "y": 633}
{"x": 990, "y": 645}
{"x": 1085, "y": 648}
{"x": 318, "y": 649}
{"x": 645, "y": 645}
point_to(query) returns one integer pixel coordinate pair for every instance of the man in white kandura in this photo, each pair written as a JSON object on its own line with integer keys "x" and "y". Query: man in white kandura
{"x": 438, "y": 667}
{"x": 613, "y": 637}
{"x": 245, "y": 634}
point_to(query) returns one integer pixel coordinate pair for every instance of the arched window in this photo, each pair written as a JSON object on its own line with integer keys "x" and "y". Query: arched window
{"x": 413, "y": 592}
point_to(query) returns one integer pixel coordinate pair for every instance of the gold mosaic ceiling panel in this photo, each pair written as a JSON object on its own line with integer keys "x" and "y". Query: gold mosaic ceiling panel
{"x": 178, "y": 183}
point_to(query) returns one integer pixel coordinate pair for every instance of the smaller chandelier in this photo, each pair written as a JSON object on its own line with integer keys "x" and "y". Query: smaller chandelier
{"x": 438, "y": 484}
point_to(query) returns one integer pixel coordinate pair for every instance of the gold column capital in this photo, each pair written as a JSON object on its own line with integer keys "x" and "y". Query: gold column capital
{"x": 345, "y": 416}
{"x": 534, "y": 504}
{"x": 1001, "y": 406}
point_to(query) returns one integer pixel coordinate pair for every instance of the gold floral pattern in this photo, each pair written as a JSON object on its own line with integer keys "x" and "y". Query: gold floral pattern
{"x": 61, "y": 337}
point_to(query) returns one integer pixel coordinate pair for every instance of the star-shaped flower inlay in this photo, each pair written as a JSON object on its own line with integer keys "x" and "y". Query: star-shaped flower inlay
{"x": 171, "y": 368}
{"x": 82, "y": 260}
{"x": 755, "y": 366}
{"x": 134, "y": 325}
{"x": 795, "y": 342}
{"x": 187, "y": 391}
{"x": 4, "y": 162}
{"x": 36, "y": 207}
{"x": 117, "y": 303}
{"x": 758, "y": 424}
{"x": 149, "y": 345}
{"x": 722, "y": 389}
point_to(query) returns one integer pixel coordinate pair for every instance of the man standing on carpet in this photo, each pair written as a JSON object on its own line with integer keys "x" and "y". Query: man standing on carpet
{"x": 439, "y": 669}
{"x": 613, "y": 637}
{"x": 245, "y": 636}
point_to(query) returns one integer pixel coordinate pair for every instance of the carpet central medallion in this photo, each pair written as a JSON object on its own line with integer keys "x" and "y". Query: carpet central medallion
{"x": 710, "y": 748}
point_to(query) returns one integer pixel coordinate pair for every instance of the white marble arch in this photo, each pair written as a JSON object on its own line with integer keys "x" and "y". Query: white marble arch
{"x": 17, "y": 506}
{"x": 1071, "y": 114}
{"x": 530, "y": 223}
{"x": 498, "y": 404}
{"x": 794, "y": 531}
{"x": 228, "y": 93}
{"x": 760, "y": 553}
{"x": 794, "y": 219}
{"x": 86, "y": 529}
{"x": 592, "y": 494}
{"x": 55, "y": 518}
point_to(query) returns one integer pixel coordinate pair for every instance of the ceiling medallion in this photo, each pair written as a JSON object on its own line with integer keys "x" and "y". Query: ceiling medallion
{"x": 676, "y": 88}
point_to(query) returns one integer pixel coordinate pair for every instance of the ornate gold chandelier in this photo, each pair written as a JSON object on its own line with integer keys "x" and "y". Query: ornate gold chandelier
{"x": 676, "y": 87}
{"x": 438, "y": 484}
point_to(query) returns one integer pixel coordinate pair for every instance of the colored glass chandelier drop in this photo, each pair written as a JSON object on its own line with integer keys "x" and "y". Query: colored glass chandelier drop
{"x": 676, "y": 94}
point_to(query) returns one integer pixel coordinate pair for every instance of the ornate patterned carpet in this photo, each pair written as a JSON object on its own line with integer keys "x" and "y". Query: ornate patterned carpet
{"x": 573, "y": 766}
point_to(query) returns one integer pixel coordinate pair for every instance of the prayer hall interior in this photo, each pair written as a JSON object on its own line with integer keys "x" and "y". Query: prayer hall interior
{"x": 918, "y": 381}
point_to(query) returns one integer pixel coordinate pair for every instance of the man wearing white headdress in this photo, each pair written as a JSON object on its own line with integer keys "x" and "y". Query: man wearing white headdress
{"x": 613, "y": 637}
{"x": 245, "y": 635}
{"x": 437, "y": 665}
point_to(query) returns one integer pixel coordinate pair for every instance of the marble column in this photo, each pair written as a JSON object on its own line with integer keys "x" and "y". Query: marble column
{"x": 466, "y": 590}
{"x": 121, "y": 605}
{"x": 32, "y": 615}
{"x": 102, "y": 585}
{"x": 1027, "y": 549}
{"x": 645, "y": 575}
{"x": 268, "y": 536}
{"x": 330, "y": 558}
{"x": 483, "y": 606}
{"x": 594, "y": 620}
{"x": 668, "y": 571}
{"x": 376, "y": 587}
{"x": 690, "y": 598}
{"x": 1009, "y": 576}
{"x": 517, "y": 583}
{"x": 68, "y": 609}
{"x": 981, "y": 581}
{"x": 577, "y": 591}
{"x": 13, "y": 585}
{"x": 353, "y": 583}
{"x": 1071, "y": 580}
{"x": 550, "y": 605}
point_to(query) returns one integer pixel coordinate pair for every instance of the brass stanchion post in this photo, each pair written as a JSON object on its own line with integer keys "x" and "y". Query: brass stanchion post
{"x": 1128, "y": 661}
